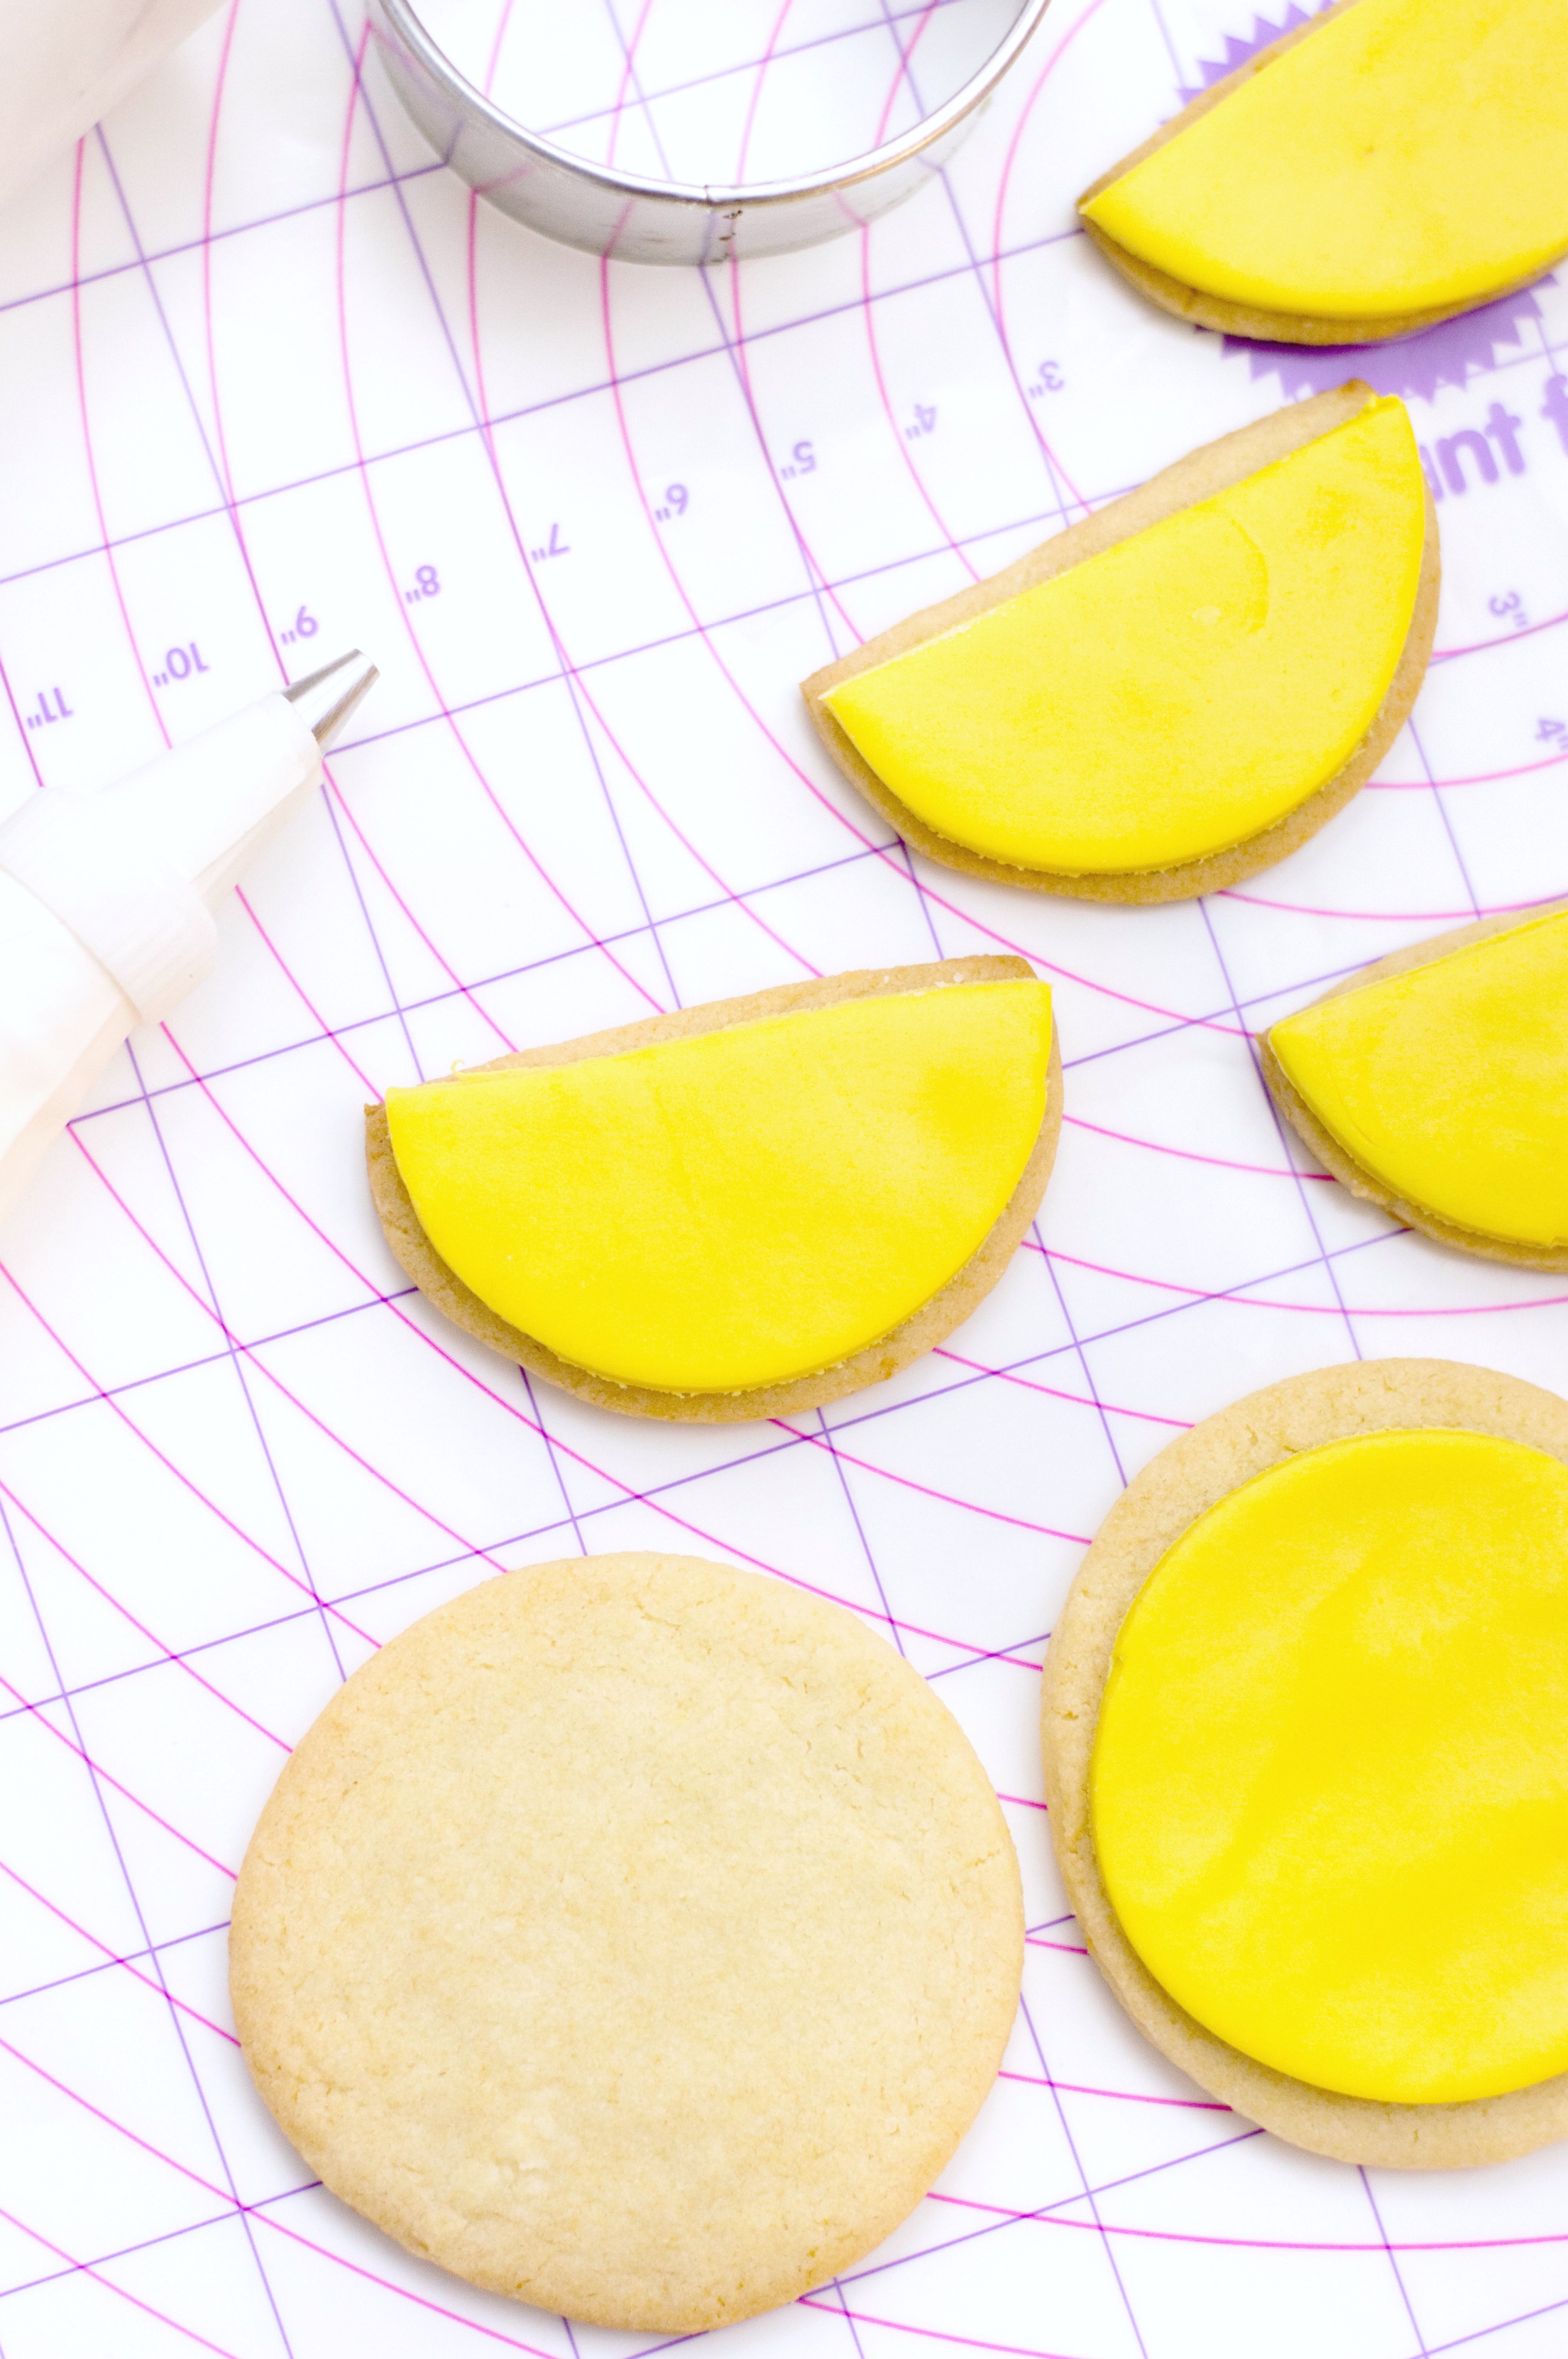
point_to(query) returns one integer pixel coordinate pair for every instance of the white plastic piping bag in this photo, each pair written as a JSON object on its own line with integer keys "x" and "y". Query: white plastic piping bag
{"x": 107, "y": 894}
{"x": 63, "y": 63}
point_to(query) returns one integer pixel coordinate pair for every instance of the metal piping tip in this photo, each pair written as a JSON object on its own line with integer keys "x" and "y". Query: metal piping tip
{"x": 329, "y": 695}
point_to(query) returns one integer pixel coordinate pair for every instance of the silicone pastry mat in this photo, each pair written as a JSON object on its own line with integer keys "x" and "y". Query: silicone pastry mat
{"x": 271, "y": 384}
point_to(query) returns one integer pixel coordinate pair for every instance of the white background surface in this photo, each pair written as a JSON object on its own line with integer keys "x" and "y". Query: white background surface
{"x": 259, "y": 354}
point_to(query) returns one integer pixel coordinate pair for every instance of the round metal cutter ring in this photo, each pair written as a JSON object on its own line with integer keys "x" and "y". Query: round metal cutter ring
{"x": 641, "y": 220}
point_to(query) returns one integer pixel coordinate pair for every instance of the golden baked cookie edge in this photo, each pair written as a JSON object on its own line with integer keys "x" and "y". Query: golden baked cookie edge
{"x": 1187, "y": 1477}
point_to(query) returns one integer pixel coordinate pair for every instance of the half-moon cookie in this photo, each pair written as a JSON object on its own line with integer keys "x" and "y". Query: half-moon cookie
{"x": 635, "y": 1936}
{"x": 739, "y": 1210}
{"x": 1435, "y": 1083}
{"x": 1174, "y": 693}
{"x": 1379, "y": 168}
{"x": 1306, "y": 1741}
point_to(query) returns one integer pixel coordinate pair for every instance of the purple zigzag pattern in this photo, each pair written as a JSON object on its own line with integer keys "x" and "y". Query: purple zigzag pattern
{"x": 1237, "y": 51}
{"x": 1417, "y": 368}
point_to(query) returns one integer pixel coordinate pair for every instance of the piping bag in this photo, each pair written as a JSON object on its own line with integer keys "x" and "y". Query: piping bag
{"x": 65, "y": 63}
{"x": 107, "y": 895}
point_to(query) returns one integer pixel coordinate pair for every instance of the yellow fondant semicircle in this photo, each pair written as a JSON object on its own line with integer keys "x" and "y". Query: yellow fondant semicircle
{"x": 1449, "y": 1083}
{"x": 1330, "y": 1777}
{"x": 1180, "y": 691}
{"x": 741, "y": 1206}
{"x": 1408, "y": 156}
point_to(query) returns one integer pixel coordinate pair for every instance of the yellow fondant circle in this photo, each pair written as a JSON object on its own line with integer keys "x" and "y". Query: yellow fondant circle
{"x": 1408, "y": 156}
{"x": 1449, "y": 1083}
{"x": 744, "y": 1206}
{"x": 1179, "y": 692}
{"x": 1330, "y": 1782}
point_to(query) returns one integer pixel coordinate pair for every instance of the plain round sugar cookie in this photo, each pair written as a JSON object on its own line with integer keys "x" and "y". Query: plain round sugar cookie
{"x": 1171, "y": 1502}
{"x": 635, "y": 1936}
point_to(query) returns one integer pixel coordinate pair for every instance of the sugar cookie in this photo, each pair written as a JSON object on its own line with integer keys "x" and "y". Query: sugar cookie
{"x": 635, "y": 1936}
{"x": 1384, "y": 167}
{"x": 1177, "y": 691}
{"x": 1435, "y": 1083}
{"x": 1306, "y": 1740}
{"x": 739, "y": 1210}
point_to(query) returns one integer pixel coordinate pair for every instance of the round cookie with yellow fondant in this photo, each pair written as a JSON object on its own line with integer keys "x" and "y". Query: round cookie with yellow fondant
{"x": 1382, "y": 168}
{"x": 635, "y": 1936}
{"x": 738, "y": 1210}
{"x": 1174, "y": 693}
{"x": 1435, "y": 1083}
{"x": 1306, "y": 1740}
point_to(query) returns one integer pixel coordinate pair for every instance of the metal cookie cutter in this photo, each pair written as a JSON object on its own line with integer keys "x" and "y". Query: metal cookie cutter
{"x": 639, "y": 219}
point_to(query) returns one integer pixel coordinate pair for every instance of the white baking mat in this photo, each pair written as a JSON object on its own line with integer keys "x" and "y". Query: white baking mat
{"x": 272, "y": 385}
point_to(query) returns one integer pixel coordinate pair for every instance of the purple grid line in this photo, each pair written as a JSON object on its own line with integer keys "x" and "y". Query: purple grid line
{"x": 647, "y": 98}
{"x": 1393, "y": 2260}
{"x": 1048, "y": 2214}
{"x": 128, "y": 1881}
{"x": 845, "y": 1423}
{"x": 1090, "y": 2196}
{"x": 492, "y": 1549}
{"x": 106, "y": 1965}
{"x": 1303, "y": 1196}
{"x": 817, "y": 588}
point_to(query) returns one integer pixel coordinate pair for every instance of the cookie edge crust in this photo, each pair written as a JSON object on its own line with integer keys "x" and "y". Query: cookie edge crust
{"x": 1212, "y": 468}
{"x": 1249, "y": 320}
{"x": 251, "y": 1992}
{"x": 1189, "y": 1476}
{"x": 1338, "y": 1158}
{"x": 935, "y": 1318}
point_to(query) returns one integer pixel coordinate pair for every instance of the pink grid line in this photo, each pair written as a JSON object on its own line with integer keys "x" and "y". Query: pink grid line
{"x": 970, "y": 915}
